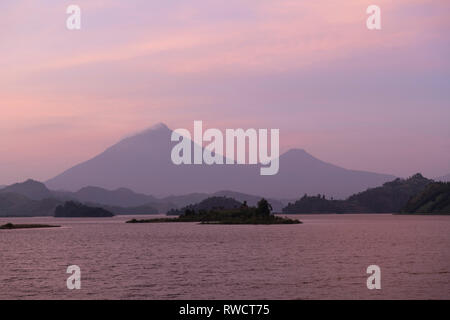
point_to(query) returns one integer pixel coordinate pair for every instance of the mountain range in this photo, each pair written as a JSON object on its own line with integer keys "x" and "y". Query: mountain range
{"x": 136, "y": 175}
{"x": 34, "y": 198}
{"x": 142, "y": 163}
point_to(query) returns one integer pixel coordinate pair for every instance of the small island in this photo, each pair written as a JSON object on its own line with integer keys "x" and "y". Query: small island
{"x": 262, "y": 214}
{"x": 10, "y": 226}
{"x": 72, "y": 209}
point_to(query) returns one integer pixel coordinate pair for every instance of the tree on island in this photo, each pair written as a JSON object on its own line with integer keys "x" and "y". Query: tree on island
{"x": 264, "y": 207}
{"x": 262, "y": 214}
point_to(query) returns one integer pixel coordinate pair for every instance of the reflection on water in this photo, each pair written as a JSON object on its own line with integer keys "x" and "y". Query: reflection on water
{"x": 324, "y": 258}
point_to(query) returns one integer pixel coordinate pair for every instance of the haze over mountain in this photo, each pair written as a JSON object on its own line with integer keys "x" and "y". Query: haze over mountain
{"x": 28, "y": 198}
{"x": 142, "y": 163}
{"x": 120, "y": 197}
{"x": 31, "y": 189}
{"x": 17, "y": 205}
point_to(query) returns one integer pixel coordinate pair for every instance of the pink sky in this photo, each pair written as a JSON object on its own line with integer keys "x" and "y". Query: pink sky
{"x": 369, "y": 100}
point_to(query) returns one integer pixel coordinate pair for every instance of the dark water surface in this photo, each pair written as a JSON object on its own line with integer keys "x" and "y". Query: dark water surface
{"x": 324, "y": 258}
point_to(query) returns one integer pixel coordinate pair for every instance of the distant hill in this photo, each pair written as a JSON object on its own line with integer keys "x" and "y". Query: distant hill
{"x": 212, "y": 203}
{"x": 33, "y": 198}
{"x": 27, "y": 199}
{"x": 180, "y": 201}
{"x": 138, "y": 210}
{"x": 434, "y": 199}
{"x": 17, "y": 205}
{"x": 142, "y": 163}
{"x": 122, "y": 197}
{"x": 392, "y": 196}
{"x": 319, "y": 204}
{"x": 120, "y": 201}
{"x": 31, "y": 189}
{"x": 71, "y": 209}
{"x": 389, "y": 198}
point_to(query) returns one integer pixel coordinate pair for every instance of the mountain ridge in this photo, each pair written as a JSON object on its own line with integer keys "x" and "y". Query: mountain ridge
{"x": 122, "y": 200}
{"x": 30, "y": 188}
{"x": 142, "y": 163}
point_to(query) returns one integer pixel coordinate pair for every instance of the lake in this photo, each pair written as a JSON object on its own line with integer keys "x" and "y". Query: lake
{"x": 324, "y": 258}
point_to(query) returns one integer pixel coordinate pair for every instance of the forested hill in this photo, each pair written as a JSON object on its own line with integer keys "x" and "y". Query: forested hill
{"x": 435, "y": 199}
{"x": 391, "y": 197}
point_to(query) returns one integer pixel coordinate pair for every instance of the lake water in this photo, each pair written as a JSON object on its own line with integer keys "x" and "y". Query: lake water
{"x": 324, "y": 258}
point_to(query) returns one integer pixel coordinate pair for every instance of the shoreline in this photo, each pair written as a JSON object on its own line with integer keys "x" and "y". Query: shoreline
{"x": 11, "y": 226}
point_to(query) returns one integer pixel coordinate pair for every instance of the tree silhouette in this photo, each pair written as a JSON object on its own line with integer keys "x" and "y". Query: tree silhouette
{"x": 264, "y": 207}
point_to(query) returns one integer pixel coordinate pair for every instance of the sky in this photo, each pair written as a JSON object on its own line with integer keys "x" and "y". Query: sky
{"x": 376, "y": 100}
